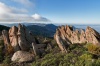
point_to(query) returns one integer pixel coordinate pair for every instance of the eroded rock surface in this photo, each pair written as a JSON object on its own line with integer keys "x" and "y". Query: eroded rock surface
{"x": 66, "y": 35}
{"x": 19, "y": 38}
{"x": 5, "y": 37}
{"x": 24, "y": 38}
{"x": 22, "y": 56}
{"x": 14, "y": 38}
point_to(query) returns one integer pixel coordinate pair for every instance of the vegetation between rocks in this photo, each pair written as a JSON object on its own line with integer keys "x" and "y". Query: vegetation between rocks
{"x": 79, "y": 55}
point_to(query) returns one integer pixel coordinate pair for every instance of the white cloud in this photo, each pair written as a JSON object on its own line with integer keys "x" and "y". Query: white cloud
{"x": 4, "y": 9}
{"x": 11, "y": 14}
{"x": 37, "y": 17}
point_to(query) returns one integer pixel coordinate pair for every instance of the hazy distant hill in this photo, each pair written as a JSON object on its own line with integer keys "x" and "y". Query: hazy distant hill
{"x": 26, "y": 24}
{"x": 41, "y": 29}
{"x": 47, "y": 30}
{"x": 2, "y": 27}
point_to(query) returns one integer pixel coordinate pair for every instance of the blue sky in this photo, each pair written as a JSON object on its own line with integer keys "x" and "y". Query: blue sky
{"x": 51, "y": 11}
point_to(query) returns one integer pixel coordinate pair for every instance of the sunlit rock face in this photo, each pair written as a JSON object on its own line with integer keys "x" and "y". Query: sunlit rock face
{"x": 66, "y": 35}
{"x": 5, "y": 37}
{"x": 19, "y": 38}
{"x": 92, "y": 36}
{"x": 22, "y": 56}
{"x": 14, "y": 38}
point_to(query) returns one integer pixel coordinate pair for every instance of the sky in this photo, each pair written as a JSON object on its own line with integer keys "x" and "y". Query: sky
{"x": 50, "y": 11}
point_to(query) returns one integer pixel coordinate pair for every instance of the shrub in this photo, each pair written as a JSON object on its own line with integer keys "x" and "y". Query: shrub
{"x": 1, "y": 55}
{"x": 96, "y": 63}
{"x": 9, "y": 50}
{"x": 86, "y": 56}
{"x": 94, "y": 49}
{"x": 35, "y": 63}
{"x": 77, "y": 49}
{"x": 1, "y": 50}
{"x": 7, "y": 60}
{"x": 78, "y": 56}
{"x": 49, "y": 60}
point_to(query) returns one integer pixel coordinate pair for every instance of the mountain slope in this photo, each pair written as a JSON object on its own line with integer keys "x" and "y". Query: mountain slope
{"x": 2, "y": 27}
{"x": 47, "y": 30}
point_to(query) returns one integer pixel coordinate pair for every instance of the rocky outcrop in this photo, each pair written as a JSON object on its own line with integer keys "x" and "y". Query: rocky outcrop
{"x": 92, "y": 36}
{"x": 19, "y": 38}
{"x": 48, "y": 43}
{"x": 5, "y": 37}
{"x": 14, "y": 38}
{"x": 22, "y": 56}
{"x": 38, "y": 48}
{"x": 25, "y": 39}
{"x": 66, "y": 35}
{"x": 23, "y": 42}
{"x": 60, "y": 42}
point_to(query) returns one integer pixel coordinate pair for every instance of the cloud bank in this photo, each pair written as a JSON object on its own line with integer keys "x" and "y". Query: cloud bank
{"x": 12, "y": 14}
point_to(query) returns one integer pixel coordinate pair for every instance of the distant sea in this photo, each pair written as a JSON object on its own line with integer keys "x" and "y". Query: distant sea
{"x": 96, "y": 27}
{"x": 80, "y": 26}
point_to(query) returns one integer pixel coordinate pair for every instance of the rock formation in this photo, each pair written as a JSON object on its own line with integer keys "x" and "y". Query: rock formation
{"x": 22, "y": 56}
{"x": 22, "y": 41}
{"x": 5, "y": 37}
{"x": 14, "y": 38}
{"x": 24, "y": 38}
{"x": 66, "y": 35}
{"x": 19, "y": 38}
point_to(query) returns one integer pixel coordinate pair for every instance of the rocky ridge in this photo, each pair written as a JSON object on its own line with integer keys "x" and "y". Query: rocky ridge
{"x": 66, "y": 35}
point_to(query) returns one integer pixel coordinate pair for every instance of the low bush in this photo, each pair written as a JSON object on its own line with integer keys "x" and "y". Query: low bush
{"x": 6, "y": 60}
{"x": 78, "y": 56}
{"x": 1, "y": 50}
{"x": 9, "y": 50}
{"x": 94, "y": 49}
